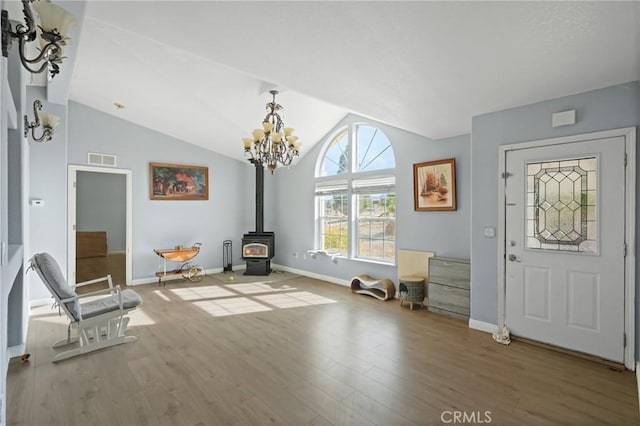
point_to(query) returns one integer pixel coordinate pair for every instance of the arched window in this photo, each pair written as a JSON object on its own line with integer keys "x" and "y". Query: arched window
{"x": 355, "y": 195}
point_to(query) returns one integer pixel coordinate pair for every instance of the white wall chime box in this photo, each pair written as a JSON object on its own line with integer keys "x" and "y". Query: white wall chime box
{"x": 563, "y": 118}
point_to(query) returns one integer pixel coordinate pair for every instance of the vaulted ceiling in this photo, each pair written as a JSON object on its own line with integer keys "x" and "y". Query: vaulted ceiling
{"x": 201, "y": 71}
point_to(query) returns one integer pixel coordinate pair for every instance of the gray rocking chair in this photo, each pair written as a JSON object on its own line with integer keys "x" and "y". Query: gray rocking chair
{"x": 100, "y": 322}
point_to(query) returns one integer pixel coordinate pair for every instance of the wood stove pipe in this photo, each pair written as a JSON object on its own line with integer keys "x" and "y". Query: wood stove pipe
{"x": 259, "y": 196}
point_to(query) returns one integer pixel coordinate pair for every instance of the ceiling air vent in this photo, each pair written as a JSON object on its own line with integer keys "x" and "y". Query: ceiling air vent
{"x": 96, "y": 159}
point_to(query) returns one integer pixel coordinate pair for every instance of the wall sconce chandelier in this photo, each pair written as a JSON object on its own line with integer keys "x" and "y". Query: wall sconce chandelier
{"x": 54, "y": 26}
{"x": 274, "y": 144}
{"x": 49, "y": 123}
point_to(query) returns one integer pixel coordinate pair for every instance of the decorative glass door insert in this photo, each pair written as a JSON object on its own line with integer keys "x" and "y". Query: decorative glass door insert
{"x": 561, "y": 205}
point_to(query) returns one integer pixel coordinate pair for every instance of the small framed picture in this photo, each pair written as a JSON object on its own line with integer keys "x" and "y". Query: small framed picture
{"x": 178, "y": 182}
{"x": 434, "y": 185}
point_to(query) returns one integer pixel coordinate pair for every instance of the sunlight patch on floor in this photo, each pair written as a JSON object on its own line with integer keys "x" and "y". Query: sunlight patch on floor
{"x": 258, "y": 287}
{"x": 209, "y": 292}
{"x": 161, "y": 295}
{"x": 294, "y": 300}
{"x": 234, "y": 306}
{"x": 139, "y": 317}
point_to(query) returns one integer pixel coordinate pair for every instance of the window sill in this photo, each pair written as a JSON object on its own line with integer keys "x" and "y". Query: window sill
{"x": 375, "y": 262}
{"x": 354, "y": 259}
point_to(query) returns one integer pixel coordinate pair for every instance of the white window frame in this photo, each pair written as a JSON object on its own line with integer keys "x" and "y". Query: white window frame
{"x": 348, "y": 179}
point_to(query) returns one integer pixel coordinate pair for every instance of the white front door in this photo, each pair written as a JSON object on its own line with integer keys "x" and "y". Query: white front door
{"x": 564, "y": 245}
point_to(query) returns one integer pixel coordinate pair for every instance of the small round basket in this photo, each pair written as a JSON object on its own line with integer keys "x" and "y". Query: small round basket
{"x": 412, "y": 290}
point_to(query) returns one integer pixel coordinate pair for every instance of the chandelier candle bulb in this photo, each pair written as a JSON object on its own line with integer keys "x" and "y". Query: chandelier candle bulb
{"x": 288, "y": 131}
{"x": 257, "y": 134}
{"x": 277, "y": 137}
{"x": 247, "y": 143}
{"x": 267, "y": 126}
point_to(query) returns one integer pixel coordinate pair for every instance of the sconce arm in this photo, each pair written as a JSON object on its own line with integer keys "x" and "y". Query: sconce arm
{"x": 47, "y": 131}
{"x": 47, "y": 134}
{"x": 25, "y": 33}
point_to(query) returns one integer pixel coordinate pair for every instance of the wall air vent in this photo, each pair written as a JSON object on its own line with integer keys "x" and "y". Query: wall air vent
{"x": 97, "y": 159}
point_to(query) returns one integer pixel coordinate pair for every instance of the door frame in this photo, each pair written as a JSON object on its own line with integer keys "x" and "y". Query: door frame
{"x": 71, "y": 215}
{"x": 629, "y": 134}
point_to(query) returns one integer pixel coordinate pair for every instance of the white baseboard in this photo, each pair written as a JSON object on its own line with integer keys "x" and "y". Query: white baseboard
{"x": 150, "y": 280}
{"x": 334, "y": 280}
{"x": 487, "y": 327}
{"x": 241, "y": 267}
{"x": 14, "y": 351}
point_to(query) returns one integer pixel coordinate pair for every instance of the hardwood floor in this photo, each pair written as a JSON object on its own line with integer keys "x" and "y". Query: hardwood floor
{"x": 299, "y": 351}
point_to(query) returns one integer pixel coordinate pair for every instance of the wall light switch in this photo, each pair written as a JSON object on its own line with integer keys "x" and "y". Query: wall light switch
{"x": 489, "y": 232}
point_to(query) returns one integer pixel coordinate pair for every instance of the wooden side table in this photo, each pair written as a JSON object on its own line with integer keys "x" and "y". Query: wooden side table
{"x": 414, "y": 293}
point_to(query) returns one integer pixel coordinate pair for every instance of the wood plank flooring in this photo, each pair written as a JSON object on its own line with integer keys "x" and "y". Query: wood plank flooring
{"x": 298, "y": 351}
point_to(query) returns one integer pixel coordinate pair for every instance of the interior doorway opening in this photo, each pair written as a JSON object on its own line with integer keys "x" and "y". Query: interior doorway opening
{"x": 99, "y": 224}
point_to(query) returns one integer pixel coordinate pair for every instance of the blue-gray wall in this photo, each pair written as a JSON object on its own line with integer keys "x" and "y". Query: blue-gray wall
{"x": 446, "y": 233}
{"x": 609, "y": 108}
{"x": 48, "y": 181}
{"x": 101, "y": 200}
{"x": 163, "y": 224}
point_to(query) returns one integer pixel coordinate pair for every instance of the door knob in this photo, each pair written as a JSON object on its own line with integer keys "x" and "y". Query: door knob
{"x": 513, "y": 258}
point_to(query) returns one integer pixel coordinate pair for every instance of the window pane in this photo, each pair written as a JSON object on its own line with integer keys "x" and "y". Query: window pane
{"x": 376, "y": 226}
{"x": 364, "y": 248}
{"x": 390, "y": 230}
{"x": 561, "y": 200}
{"x": 336, "y": 159}
{"x": 389, "y": 251}
{"x": 333, "y": 219}
{"x": 373, "y": 149}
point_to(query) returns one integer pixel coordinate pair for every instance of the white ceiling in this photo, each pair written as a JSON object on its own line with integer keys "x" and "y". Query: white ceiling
{"x": 200, "y": 71}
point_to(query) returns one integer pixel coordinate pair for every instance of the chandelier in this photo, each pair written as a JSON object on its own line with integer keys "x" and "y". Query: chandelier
{"x": 274, "y": 144}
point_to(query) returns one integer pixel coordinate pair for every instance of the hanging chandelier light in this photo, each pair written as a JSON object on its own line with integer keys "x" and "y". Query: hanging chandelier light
{"x": 274, "y": 144}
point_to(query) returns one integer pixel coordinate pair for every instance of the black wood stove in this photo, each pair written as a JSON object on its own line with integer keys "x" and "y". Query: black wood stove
{"x": 258, "y": 247}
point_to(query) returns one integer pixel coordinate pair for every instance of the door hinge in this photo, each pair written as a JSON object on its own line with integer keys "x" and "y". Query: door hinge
{"x": 74, "y": 184}
{"x": 624, "y": 340}
{"x": 625, "y": 159}
{"x": 74, "y": 227}
{"x": 624, "y": 249}
{"x": 506, "y": 175}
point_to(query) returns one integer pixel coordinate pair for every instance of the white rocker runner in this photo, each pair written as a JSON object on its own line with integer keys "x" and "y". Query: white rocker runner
{"x": 100, "y": 323}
